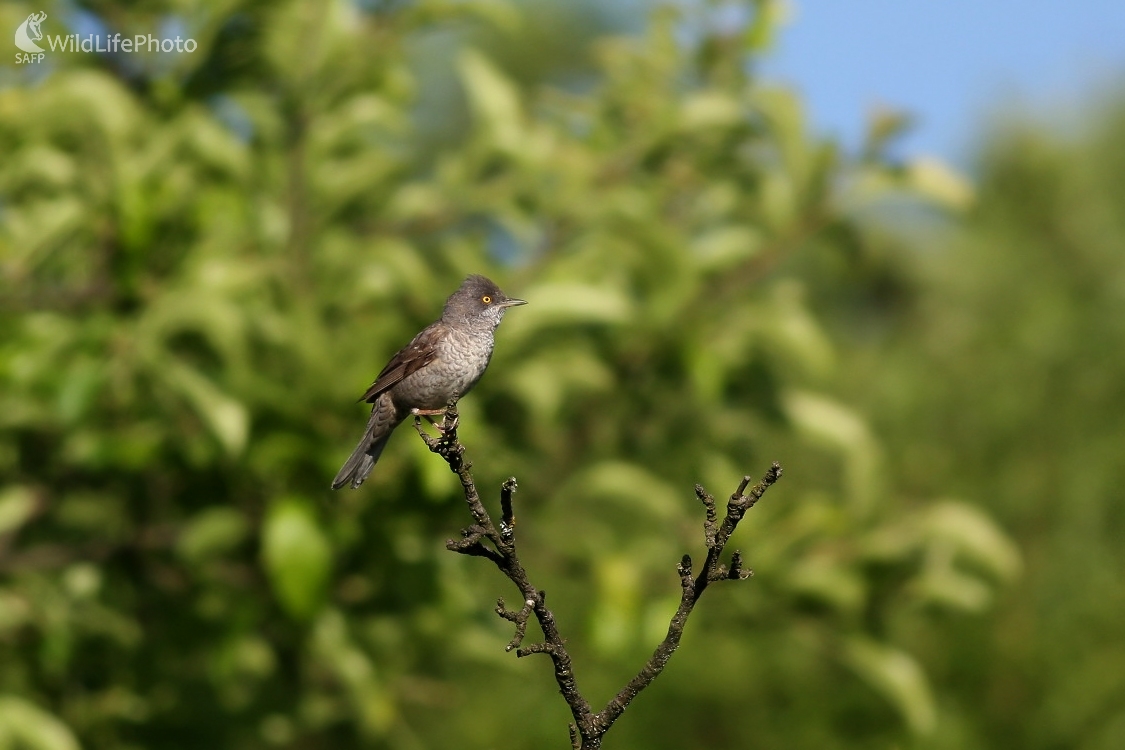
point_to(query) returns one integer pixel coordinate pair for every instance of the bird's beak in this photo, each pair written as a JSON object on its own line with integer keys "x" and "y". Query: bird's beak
{"x": 510, "y": 302}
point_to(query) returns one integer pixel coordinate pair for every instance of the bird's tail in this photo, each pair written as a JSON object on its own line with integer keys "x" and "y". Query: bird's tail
{"x": 379, "y": 428}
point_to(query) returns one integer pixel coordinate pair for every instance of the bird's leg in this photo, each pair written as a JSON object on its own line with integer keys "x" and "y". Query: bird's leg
{"x": 429, "y": 414}
{"x": 426, "y": 412}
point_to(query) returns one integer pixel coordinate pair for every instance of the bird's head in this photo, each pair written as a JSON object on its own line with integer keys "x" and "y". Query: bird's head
{"x": 478, "y": 301}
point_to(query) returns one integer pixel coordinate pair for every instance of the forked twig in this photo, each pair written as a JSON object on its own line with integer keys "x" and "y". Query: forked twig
{"x": 498, "y": 543}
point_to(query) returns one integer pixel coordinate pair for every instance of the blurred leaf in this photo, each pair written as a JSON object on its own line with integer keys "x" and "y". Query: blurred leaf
{"x": 80, "y": 390}
{"x": 212, "y": 533}
{"x": 948, "y": 588}
{"x": 25, "y": 726}
{"x": 332, "y": 644}
{"x": 784, "y": 114}
{"x": 975, "y": 536}
{"x": 15, "y": 612}
{"x": 98, "y": 96}
{"x": 494, "y": 99}
{"x": 544, "y": 383}
{"x": 613, "y": 621}
{"x": 82, "y": 580}
{"x": 226, "y": 417}
{"x": 883, "y": 126}
{"x": 829, "y": 582}
{"x": 769, "y": 16}
{"x": 830, "y": 424}
{"x": 897, "y": 677}
{"x": 779, "y": 199}
{"x": 710, "y": 109}
{"x": 937, "y": 181}
{"x": 566, "y": 304}
{"x": 788, "y": 326}
{"x": 17, "y": 506}
{"x": 633, "y": 487}
{"x": 828, "y": 421}
{"x": 296, "y": 555}
{"x": 414, "y": 201}
{"x": 724, "y": 246}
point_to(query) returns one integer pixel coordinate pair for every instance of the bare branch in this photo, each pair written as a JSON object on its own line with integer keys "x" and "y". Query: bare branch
{"x": 484, "y": 539}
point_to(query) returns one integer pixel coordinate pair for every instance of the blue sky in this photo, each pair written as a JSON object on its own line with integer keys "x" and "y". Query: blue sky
{"x": 954, "y": 64}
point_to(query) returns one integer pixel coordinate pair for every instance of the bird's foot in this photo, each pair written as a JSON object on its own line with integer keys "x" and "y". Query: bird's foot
{"x": 449, "y": 421}
{"x": 446, "y": 423}
{"x": 429, "y": 414}
{"x": 445, "y": 444}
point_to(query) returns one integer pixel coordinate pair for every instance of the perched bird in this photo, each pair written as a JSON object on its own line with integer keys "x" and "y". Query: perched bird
{"x": 434, "y": 370}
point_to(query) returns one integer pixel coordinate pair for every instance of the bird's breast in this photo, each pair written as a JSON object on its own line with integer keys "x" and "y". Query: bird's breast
{"x": 460, "y": 359}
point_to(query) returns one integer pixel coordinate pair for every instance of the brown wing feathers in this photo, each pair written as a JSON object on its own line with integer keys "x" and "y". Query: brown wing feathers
{"x": 412, "y": 357}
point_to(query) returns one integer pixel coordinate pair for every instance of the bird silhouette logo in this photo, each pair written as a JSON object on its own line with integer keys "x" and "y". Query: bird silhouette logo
{"x": 29, "y": 32}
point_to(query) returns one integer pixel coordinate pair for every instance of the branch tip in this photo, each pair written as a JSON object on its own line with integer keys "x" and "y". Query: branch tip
{"x": 745, "y": 483}
{"x": 684, "y": 567}
{"x": 736, "y": 572}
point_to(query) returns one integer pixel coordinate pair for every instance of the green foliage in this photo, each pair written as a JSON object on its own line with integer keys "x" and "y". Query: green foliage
{"x": 25, "y": 725}
{"x": 205, "y": 260}
{"x": 1004, "y": 381}
{"x": 296, "y": 556}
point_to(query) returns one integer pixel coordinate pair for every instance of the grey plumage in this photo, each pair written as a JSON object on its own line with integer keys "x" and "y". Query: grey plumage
{"x": 436, "y": 368}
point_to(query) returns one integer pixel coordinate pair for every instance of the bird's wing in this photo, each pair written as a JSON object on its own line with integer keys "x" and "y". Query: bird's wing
{"x": 412, "y": 357}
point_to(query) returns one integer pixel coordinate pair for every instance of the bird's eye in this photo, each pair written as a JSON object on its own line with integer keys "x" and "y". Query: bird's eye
{"x": 486, "y": 299}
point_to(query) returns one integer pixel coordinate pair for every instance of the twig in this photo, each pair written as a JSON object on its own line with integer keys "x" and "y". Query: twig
{"x": 484, "y": 539}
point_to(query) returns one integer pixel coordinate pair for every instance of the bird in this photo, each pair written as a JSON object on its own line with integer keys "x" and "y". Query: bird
{"x": 439, "y": 366}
